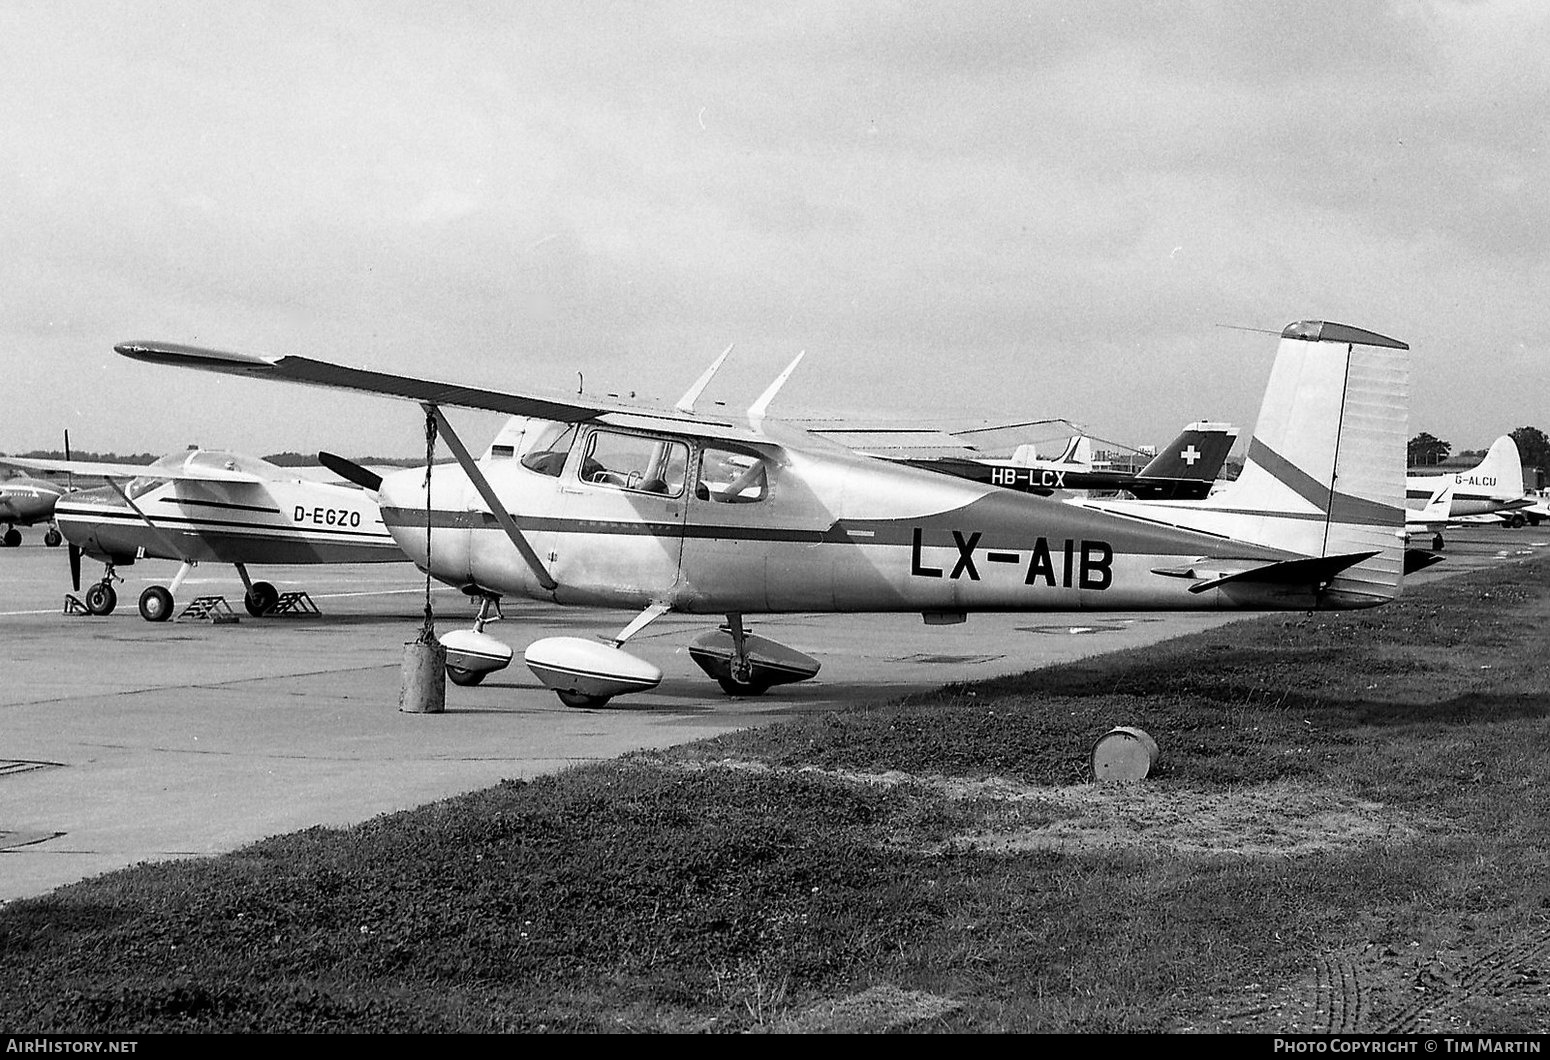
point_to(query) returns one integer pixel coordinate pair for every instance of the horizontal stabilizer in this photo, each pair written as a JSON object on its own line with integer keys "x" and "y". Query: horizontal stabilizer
{"x": 1314, "y": 570}
{"x": 1418, "y": 559}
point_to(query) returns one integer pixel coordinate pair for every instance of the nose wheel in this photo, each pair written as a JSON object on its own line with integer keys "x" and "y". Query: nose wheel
{"x": 101, "y": 599}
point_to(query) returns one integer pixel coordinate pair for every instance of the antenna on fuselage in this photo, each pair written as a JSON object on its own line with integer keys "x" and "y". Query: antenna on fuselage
{"x": 757, "y": 410}
{"x": 686, "y": 403}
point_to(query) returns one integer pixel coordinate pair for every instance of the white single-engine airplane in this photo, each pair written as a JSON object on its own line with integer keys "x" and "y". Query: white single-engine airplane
{"x": 593, "y": 503}
{"x": 208, "y": 505}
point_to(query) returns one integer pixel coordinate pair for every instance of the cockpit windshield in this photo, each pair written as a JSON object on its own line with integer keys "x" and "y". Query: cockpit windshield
{"x": 214, "y": 459}
{"x": 547, "y": 456}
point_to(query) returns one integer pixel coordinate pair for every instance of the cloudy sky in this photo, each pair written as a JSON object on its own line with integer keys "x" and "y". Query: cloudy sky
{"x": 988, "y": 210}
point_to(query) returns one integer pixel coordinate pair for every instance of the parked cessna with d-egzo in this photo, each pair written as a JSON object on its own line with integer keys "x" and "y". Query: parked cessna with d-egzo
{"x": 207, "y": 505}
{"x": 596, "y": 503}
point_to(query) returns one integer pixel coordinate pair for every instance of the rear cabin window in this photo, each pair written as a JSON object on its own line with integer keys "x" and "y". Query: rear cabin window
{"x": 636, "y": 462}
{"x": 729, "y": 476}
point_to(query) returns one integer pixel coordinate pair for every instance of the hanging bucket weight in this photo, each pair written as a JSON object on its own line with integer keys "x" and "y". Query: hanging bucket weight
{"x": 424, "y": 688}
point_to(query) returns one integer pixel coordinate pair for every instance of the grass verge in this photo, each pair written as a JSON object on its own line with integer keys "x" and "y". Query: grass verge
{"x": 1346, "y": 832}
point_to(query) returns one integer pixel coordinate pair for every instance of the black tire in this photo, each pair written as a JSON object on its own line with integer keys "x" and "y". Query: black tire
{"x": 52, "y": 537}
{"x": 1437, "y": 543}
{"x": 101, "y": 599}
{"x": 581, "y": 699}
{"x": 738, "y": 688}
{"x": 156, "y": 604}
{"x": 459, "y": 676}
{"x": 260, "y": 599}
{"x": 13, "y": 537}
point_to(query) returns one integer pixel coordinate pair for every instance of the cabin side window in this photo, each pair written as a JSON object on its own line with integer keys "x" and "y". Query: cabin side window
{"x": 636, "y": 462}
{"x": 548, "y": 457}
{"x": 731, "y": 476}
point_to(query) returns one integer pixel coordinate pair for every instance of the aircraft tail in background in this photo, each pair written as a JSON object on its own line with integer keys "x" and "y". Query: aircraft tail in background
{"x": 1198, "y": 452}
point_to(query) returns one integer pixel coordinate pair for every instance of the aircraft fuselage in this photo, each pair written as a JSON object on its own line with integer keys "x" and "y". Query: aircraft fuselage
{"x": 272, "y": 522}
{"x": 822, "y": 531}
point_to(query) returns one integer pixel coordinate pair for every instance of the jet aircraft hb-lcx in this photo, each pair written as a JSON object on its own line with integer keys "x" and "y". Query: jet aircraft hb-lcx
{"x": 596, "y": 503}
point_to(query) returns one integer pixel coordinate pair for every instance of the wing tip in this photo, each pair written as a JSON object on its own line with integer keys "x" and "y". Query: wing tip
{"x": 181, "y": 354}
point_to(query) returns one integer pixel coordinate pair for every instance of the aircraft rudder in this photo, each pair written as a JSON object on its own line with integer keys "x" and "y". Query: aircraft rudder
{"x": 1503, "y": 464}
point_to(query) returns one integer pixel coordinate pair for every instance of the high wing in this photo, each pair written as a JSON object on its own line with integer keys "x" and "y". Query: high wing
{"x": 567, "y": 409}
{"x": 907, "y": 441}
{"x": 189, "y": 470}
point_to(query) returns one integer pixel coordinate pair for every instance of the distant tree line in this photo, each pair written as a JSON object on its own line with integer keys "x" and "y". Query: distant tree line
{"x": 287, "y": 459}
{"x": 1426, "y": 450}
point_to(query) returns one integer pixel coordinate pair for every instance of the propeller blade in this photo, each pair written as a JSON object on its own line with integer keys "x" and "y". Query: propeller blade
{"x": 75, "y": 567}
{"x": 351, "y": 471}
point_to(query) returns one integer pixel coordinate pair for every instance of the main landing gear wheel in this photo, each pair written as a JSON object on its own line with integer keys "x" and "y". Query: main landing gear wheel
{"x": 459, "y": 676}
{"x": 52, "y": 537}
{"x": 581, "y": 699}
{"x": 733, "y": 687}
{"x": 101, "y": 599}
{"x": 260, "y": 599}
{"x": 1437, "y": 543}
{"x": 13, "y": 537}
{"x": 156, "y": 604}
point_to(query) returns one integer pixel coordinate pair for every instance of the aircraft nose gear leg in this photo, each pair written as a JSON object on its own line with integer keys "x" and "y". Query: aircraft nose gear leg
{"x": 473, "y": 653}
{"x": 748, "y": 665}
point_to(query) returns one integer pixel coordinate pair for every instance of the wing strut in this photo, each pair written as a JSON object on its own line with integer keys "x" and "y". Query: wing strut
{"x": 161, "y": 535}
{"x": 502, "y": 516}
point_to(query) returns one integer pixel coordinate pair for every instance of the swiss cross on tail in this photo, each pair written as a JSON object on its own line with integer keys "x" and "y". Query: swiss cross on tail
{"x": 1190, "y": 455}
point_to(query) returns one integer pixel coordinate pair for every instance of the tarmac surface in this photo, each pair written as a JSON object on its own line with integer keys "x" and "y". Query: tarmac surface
{"x": 123, "y": 741}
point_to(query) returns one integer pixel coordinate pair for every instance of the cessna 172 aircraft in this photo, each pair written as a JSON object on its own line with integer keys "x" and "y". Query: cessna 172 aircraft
{"x": 27, "y": 501}
{"x": 208, "y": 505}
{"x": 667, "y": 510}
{"x": 1493, "y": 485}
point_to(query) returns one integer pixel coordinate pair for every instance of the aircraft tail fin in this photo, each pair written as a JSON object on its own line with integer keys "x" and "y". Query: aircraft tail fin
{"x": 1325, "y": 471}
{"x": 1501, "y": 471}
{"x": 1198, "y": 453}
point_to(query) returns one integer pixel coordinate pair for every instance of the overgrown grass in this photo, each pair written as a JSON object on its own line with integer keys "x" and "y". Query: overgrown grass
{"x": 838, "y": 873}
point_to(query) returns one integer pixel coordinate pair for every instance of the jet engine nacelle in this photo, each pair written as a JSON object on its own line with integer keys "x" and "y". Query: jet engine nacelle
{"x": 588, "y": 673}
{"x": 471, "y": 655}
